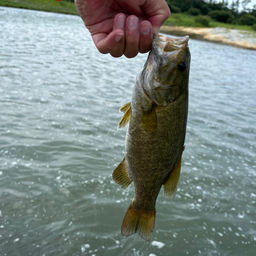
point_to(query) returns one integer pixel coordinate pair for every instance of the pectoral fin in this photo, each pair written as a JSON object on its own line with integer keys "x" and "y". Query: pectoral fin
{"x": 171, "y": 185}
{"x": 149, "y": 120}
{"x": 126, "y": 117}
{"x": 121, "y": 176}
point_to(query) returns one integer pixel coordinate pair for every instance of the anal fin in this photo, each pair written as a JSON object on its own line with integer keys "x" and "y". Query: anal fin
{"x": 171, "y": 185}
{"x": 121, "y": 176}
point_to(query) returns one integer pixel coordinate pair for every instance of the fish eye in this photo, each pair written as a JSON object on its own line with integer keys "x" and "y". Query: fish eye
{"x": 182, "y": 66}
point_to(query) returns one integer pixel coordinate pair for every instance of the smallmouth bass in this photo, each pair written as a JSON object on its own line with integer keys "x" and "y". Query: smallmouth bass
{"x": 157, "y": 117}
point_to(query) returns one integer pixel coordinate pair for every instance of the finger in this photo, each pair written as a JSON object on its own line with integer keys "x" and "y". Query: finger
{"x": 146, "y": 36}
{"x": 119, "y": 23}
{"x": 108, "y": 43}
{"x": 157, "y": 14}
{"x": 132, "y": 36}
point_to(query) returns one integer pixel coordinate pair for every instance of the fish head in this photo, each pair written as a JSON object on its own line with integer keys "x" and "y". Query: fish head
{"x": 166, "y": 71}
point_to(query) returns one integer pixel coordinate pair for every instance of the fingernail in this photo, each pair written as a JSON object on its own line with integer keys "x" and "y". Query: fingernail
{"x": 156, "y": 30}
{"x": 120, "y": 21}
{"x": 133, "y": 23}
{"x": 118, "y": 37}
{"x": 145, "y": 30}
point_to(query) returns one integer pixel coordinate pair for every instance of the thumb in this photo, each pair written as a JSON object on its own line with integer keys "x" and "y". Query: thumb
{"x": 158, "y": 12}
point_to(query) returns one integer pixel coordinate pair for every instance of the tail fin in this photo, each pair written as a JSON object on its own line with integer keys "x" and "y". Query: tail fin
{"x": 138, "y": 221}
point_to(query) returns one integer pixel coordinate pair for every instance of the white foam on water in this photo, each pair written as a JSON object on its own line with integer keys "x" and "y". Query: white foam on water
{"x": 210, "y": 241}
{"x": 84, "y": 247}
{"x": 158, "y": 244}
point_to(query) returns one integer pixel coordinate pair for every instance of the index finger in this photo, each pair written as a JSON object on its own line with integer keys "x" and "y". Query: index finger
{"x": 158, "y": 12}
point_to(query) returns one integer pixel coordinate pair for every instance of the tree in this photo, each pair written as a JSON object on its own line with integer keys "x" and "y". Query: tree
{"x": 247, "y": 19}
{"x": 221, "y": 15}
{"x": 237, "y": 4}
{"x": 233, "y": 6}
{"x": 225, "y": 4}
{"x": 245, "y": 3}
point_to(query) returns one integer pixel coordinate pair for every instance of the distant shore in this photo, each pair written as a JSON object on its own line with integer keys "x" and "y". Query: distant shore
{"x": 42, "y": 5}
{"x": 234, "y": 37}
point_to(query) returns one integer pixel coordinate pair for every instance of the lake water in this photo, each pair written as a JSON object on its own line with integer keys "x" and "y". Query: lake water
{"x": 59, "y": 101}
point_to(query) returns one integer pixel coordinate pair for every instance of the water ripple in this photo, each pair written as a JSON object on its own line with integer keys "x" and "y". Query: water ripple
{"x": 59, "y": 145}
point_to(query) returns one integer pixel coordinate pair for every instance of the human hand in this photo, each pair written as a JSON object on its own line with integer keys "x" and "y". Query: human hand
{"x": 123, "y": 26}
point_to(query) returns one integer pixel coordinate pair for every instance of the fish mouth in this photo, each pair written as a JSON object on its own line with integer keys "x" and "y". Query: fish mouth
{"x": 162, "y": 74}
{"x": 167, "y": 44}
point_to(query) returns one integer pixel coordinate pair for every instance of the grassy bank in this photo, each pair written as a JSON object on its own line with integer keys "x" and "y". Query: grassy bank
{"x": 42, "y": 5}
{"x": 185, "y": 20}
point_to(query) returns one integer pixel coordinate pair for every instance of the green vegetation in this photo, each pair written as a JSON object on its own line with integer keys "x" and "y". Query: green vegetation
{"x": 180, "y": 19}
{"x": 183, "y": 19}
{"x": 203, "y": 20}
{"x": 203, "y": 13}
{"x": 64, "y": 6}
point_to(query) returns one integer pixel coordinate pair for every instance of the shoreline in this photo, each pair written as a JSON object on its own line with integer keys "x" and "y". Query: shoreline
{"x": 233, "y": 37}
